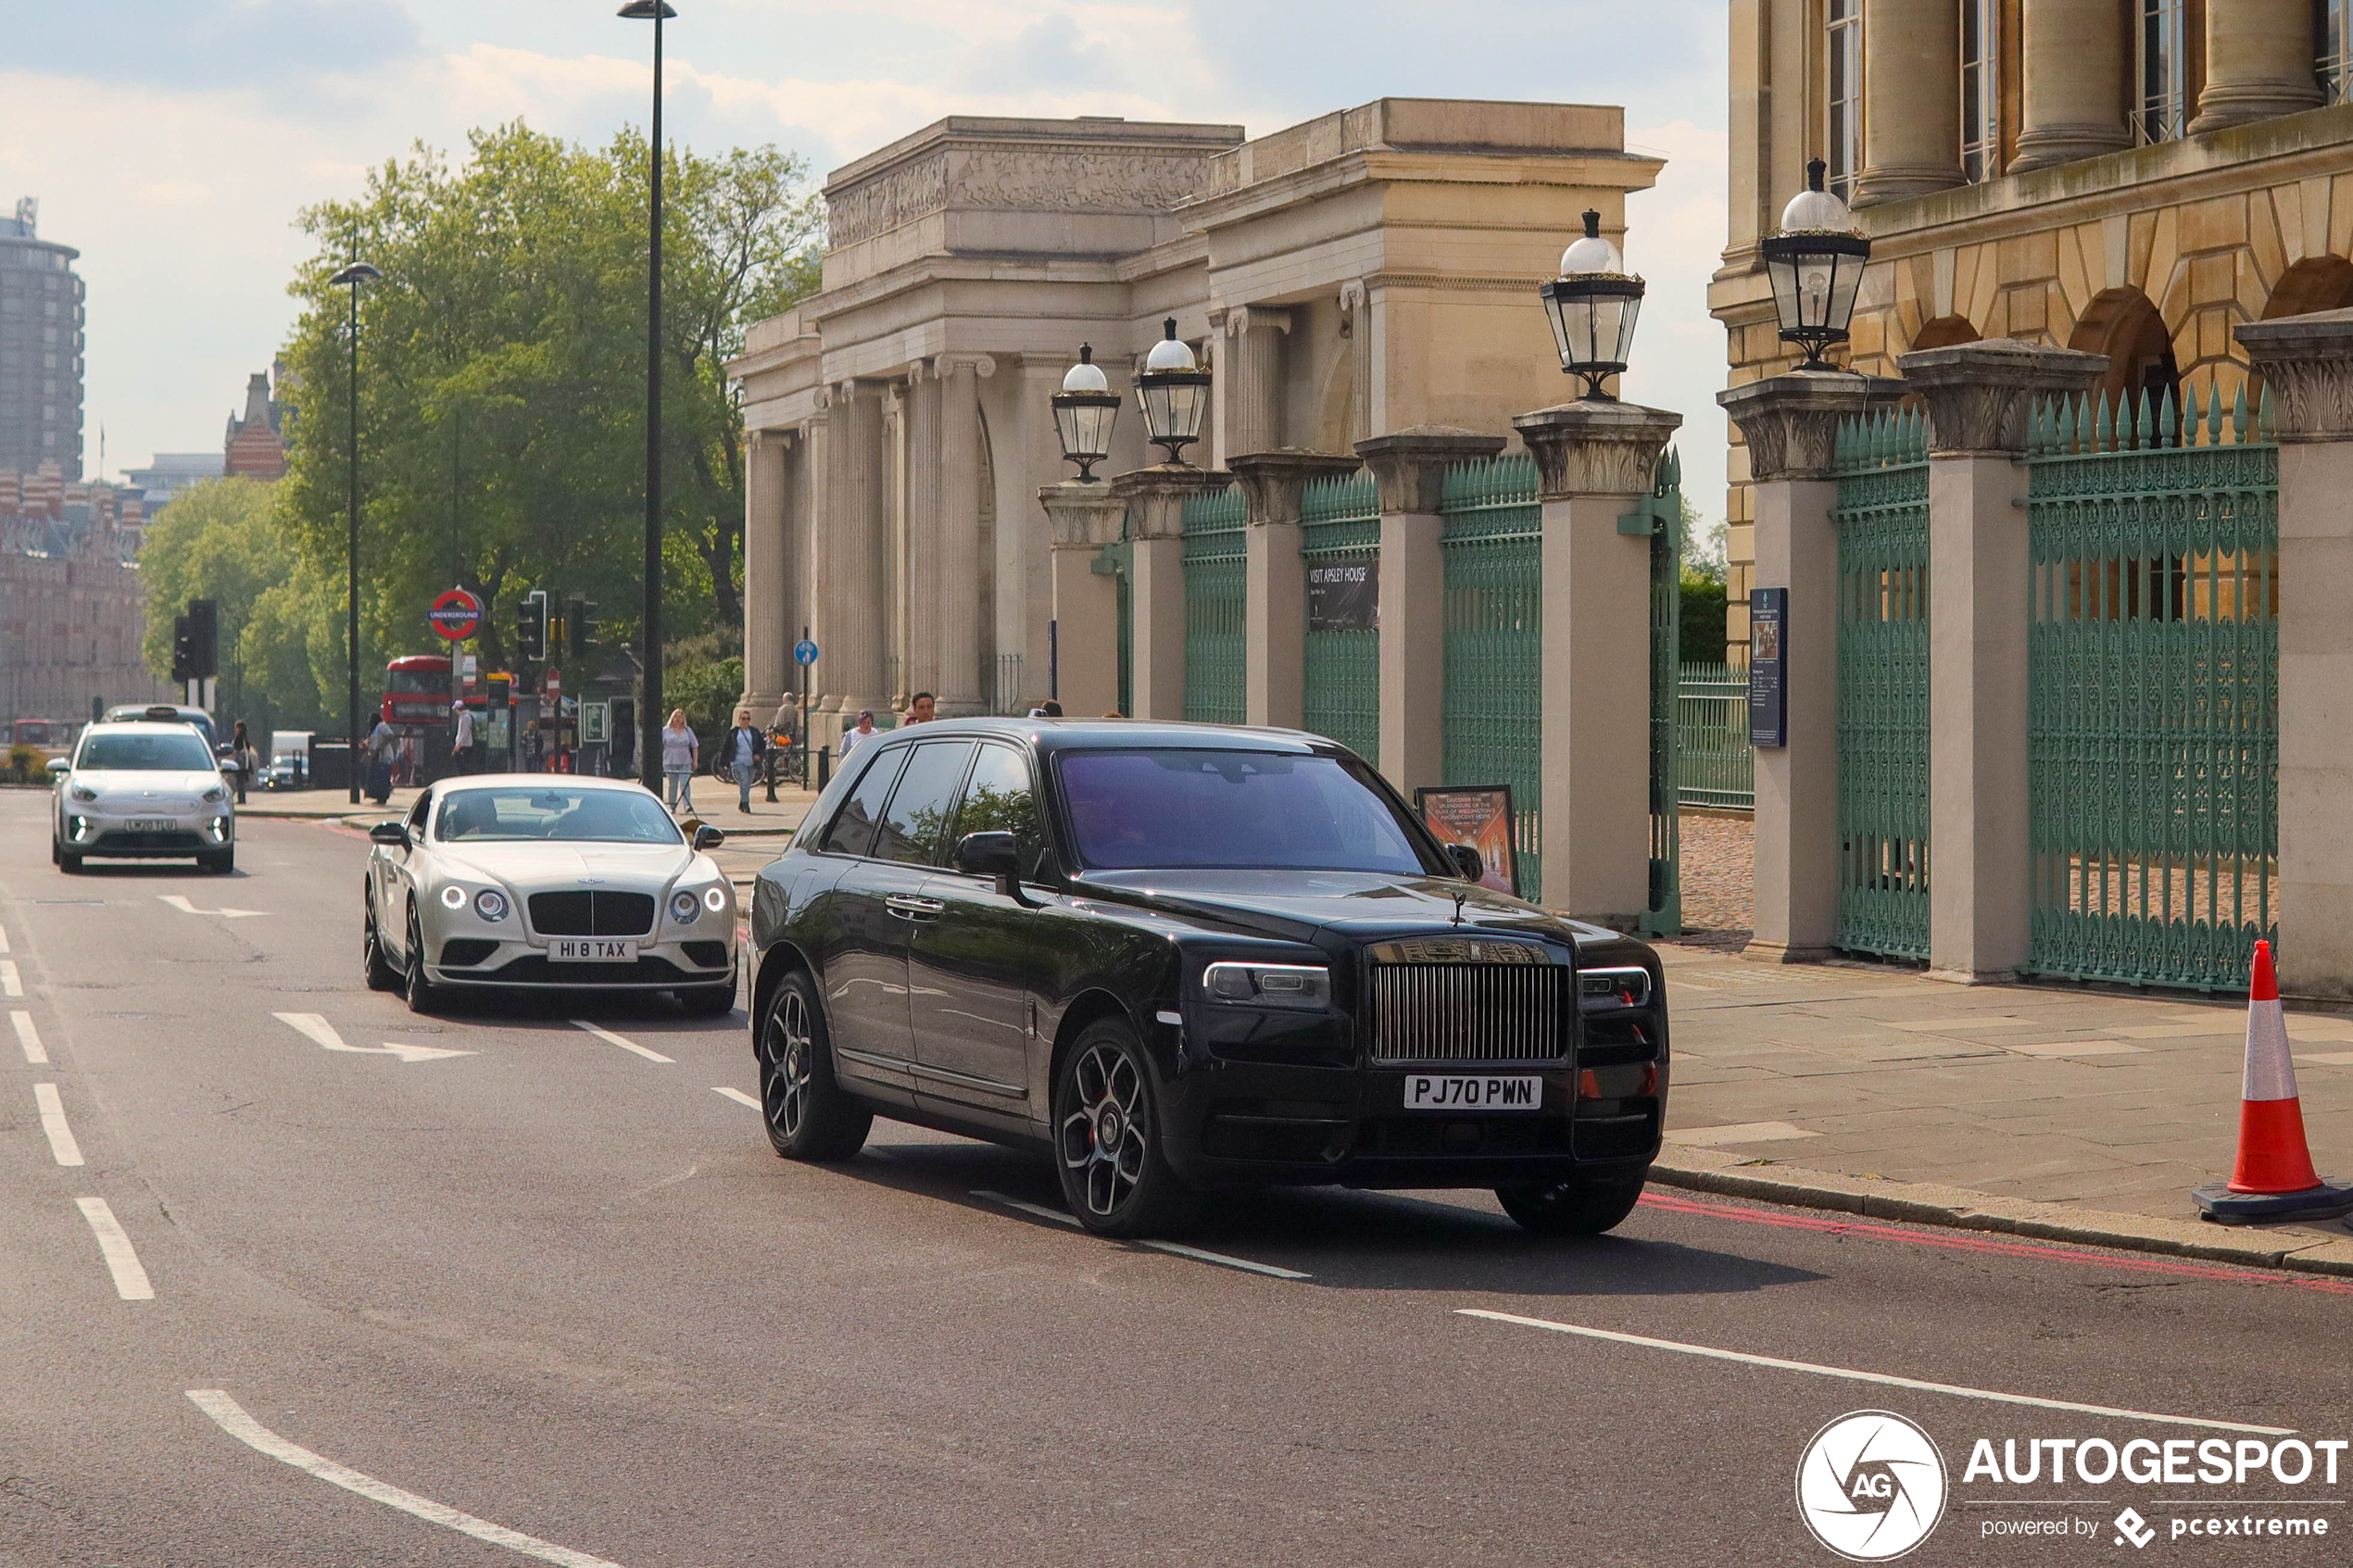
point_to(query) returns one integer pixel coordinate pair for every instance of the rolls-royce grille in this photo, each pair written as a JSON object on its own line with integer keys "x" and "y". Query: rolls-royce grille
{"x": 592, "y": 914}
{"x": 1468, "y": 1013}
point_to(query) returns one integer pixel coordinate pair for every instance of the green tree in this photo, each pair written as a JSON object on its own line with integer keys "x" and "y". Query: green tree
{"x": 224, "y": 540}
{"x": 502, "y": 378}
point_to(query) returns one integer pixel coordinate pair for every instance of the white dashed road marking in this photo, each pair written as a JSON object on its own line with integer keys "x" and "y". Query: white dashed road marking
{"x": 114, "y": 1245}
{"x": 54, "y": 1123}
{"x": 232, "y": 1418}
{"x": 738, "y": 1096}
{"x": 609, "y": 1037}
{"x": 315, "y": 1027}
{"x": 1174, "y": 1248}
{"x": 30, "y": 1039}
{"x": 4, "y": 941}
{"x": 1778, "y": 1365}
{"x": 179, "y": 902}
{"x": 9, "y": 984}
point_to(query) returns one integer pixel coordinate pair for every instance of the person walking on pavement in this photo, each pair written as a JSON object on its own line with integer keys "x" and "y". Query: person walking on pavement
{"x": 241, "y": 748}
{"x": 850, "y": 738}
{"x": 462, "y": 742}
{"x": 381, "y": 742}
{"x": 743, "y": 749}
{"x": 680, "y": 751}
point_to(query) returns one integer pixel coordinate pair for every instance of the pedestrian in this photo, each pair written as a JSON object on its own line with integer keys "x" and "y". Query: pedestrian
{"x": 850, "y": 738}
{"x": 462, "y": 742}
{"x": 1049, "y": 708}
{"x": 381, "y": 742}
{"x": 742, "y": 750}
{"x": 921, "y": 708}
{"x": 680, "y": 752}
{"x": 241, "y": 749}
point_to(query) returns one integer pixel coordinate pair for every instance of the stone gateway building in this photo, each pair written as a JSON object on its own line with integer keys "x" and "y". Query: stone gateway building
{"x": 1365, "y": 272}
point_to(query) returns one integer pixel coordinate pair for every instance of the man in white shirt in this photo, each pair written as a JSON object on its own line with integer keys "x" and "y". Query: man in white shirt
{"x": 461, "y": 744}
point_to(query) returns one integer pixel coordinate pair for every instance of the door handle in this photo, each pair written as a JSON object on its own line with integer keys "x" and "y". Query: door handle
{"x": 906, "y": 906}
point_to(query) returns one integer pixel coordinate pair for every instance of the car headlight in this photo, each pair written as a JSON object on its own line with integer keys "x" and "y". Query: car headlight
{"x": 683, "y": 908}
{"x": 714, "y": 898}
{"x": 214, "y": 795}
{"x": 491, "y": 904}
{"x": 453, "y": 897}
{"x": 83, "y": 791}
{"x": 1270, "y": 985}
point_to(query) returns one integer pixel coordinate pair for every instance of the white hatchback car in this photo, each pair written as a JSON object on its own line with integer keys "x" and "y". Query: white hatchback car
{"x": 141, "y": 792}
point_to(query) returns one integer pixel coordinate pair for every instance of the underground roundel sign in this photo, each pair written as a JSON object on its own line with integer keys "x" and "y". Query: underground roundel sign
{"x": 456, "y": 615}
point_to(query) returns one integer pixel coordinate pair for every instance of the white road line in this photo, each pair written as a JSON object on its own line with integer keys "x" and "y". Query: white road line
{"x": 1176, "y": 1249}
{"x": 4, "y": 941}
{"x": 231, "y": 1418}
{"x": 609, "y": 1037}
{"x": 1776, "y": 1362}
{"x": 30, "y": 1039}
{"x": 129, "y": 1279}
{"x": 315, "y": 1028}
{"x": 738, "y": 1096}
{"x": 9, "y": 984}
{"x": 54, "y": 1123}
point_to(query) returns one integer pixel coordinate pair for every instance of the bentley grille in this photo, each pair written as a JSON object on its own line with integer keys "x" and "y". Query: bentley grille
{"x": 592, "y": 913}
{"x": 1480, "y": 1011}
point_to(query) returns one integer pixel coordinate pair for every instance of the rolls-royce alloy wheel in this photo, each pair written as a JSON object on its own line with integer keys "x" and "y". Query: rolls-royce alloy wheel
{"x": 808, "y": 1115}
{"x": 1585, "y": 1207}
{"x": 382, "y": 976}
{"x": 1107, "y": 1139}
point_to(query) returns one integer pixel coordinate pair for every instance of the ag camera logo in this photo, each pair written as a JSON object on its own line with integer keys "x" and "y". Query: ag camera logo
{"x": 1870, "y": 1486}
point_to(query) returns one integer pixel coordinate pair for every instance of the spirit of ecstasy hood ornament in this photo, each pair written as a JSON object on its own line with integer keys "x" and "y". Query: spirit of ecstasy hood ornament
{"x": 1459, "y": 897}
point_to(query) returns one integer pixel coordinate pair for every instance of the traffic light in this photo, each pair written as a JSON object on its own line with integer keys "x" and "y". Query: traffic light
{"x": 203, "y": 633}
{"x": 184, "y": 649}
{"x": 580, "y": 626}
{"x": 531, "y": 626}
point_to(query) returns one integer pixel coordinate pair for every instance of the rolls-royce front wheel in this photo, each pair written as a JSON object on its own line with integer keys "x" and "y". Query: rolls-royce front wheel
{"x": 1108, "y": 1139}
{"x": 1578, "y": 1207}
{"x": 809, "y": 1117}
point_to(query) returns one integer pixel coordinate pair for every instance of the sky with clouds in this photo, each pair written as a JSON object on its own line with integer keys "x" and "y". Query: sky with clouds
{"x": 174, "y": 140}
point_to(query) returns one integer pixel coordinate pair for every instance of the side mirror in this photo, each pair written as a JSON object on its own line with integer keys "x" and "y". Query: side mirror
{"x": 1467, "y": 861}
{"x": 59, "y": 765}
{"x": 989, "y": 854}
{"x": 708, "y": 837}
{"x": 393, "y": 834}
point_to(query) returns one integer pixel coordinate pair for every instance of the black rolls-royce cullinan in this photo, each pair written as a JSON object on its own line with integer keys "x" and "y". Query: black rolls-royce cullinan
{"x": 1176, "y": 957}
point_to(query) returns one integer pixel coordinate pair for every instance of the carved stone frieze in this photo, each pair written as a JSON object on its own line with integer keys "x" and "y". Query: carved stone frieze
{"x": 2306, "y": 365}
{"x": 1790, "y": 422}
{"x": 893, "y": 197}
{"x": 1980, "y": 395}
{"x": 1594, "y": 448}
{"x": 1050, "y": 180}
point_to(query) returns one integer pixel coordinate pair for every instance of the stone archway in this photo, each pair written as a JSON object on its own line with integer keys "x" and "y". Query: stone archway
{"x": 1943, "y": 331}
{"x": 2317, "y": 283}
{"x": 2122, "y": 324}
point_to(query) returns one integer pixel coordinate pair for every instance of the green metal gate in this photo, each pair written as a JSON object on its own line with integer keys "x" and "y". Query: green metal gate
{"x": 2152, "y": 662}
{"x": 1714, "y": 766}
{"x": 1493, "y": 556}
{"x": 1663, "y": 519}
{"x": 1883, "y": 685}
{"x": 1339, "y": 530}
{"x": 1117, "y": 562}
{"x": 1215, "y": 530}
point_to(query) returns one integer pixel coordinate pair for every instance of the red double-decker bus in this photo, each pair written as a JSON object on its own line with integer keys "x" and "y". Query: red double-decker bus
{"x": 417, "y": 690}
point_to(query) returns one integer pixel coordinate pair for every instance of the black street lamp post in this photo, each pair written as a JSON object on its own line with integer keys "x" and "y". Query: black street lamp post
{"x": 1815, "y": 264}
{"x": 1173, "y": 389}
{"x": 352, "y": 276}
{"x": 650, "y": 713}
{"x": 1592, "y": 307}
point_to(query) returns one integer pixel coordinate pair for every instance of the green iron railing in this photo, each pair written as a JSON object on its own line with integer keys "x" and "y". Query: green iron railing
{"x": 1215, "y": 530}
{"x": 1883, "y": 685}
{"x": 1339, "y": 532}
{"x": 1664, "y": 914}
{"x": 2152, "y": 697}
{"x": 1714, "y": 766}
{"x": 1492, "y": 547}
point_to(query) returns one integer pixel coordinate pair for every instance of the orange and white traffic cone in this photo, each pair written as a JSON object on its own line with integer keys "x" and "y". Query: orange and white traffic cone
{"x": 2273, "y": 1179}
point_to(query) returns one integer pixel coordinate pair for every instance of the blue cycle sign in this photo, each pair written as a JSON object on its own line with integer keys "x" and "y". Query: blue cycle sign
{"x": 804, "y": 652}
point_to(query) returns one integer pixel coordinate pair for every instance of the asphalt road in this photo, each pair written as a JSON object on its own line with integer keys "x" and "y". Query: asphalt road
{"x": 555, "y": 1288}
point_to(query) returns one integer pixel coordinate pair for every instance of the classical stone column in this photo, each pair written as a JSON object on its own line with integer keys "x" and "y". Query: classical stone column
{"x": 1409, "y": 466}
{"x": 1274, "y": 603}
{"x": 767, "y": 571}
{"x": 1154, "y": 498}
{"x": 1980, "y": 865}
{"x": 2073, "y": 67}
{"x": 960, "y": 690}
{"x": 1790, "y": 423}
{"x": 818, "y": 546}
{"x": 1252, "y": 379}
{"x": 924, "y": 449}
{"x": 858, "y": 521}
{"x": 2259, "y": 62}
{"x": 1357, "y": 328}
{"x": 1594, "y": 460}
{"x": 1912, "y": 99}
{"x": 2307, "y": 363}
{"x": 1085, "y": 517}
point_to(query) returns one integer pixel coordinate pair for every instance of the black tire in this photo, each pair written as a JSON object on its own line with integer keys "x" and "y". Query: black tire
{"x": 707, "y": 1001}
{"x": 422, "y": 994}
{"x": 382, "y": 976}
{"x": 808, "y": 1115}
{"x": 220, "y": 864}
{"x": 1108, "y": 1137}
{"x": 56, "y": 855}
{"x": 1585, "y": 1207}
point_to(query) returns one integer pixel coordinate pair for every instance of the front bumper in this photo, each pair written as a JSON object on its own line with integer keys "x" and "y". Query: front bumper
{"x": 525, "y": 965}
{"x": 206, "y": 831}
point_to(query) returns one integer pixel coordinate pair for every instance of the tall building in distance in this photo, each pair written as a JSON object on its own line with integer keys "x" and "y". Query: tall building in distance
{"x": 40, "y": 349}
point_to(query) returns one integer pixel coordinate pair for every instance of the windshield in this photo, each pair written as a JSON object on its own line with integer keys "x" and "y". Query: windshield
{"x": 554, "y": 813}
{"x": 1136, "y": 810}
{"x": 150, "y": 754}
{"x": 418, "y": 682}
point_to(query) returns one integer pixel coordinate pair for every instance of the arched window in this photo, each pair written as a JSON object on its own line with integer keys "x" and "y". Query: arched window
{"x": 1843, "y": 85}
{"x": 2122, "y": 324}
{"x": 1981, "y": 89}
{"x": 2160, "y": 70}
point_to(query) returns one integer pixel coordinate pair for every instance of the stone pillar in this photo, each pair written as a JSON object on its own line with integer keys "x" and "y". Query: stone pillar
{"x": 961, "y": 689}
{"x": 1085, "y": 517}
{"x": 768, "y": 636}
{"x": 1250, "y": 380}
{"x": 1594, "y": 460}
{"x": 1790, "y": 423}
{"x": 1980, "y": 883}
{"x": 2074, "y": 66}
{"x": 817, "y": 486}
{"x": 1912, "y": 99}
{"x": 1410, "y": 466}
{"x": 1274, "y": 612}
{"x": 2307, "y": 364}
{"x": 2259, "y": 62}
{"x": 1356, "y": 331}
{"x": 920, "y": 673}
{"x": 1154, "y": 498}
{"x": 857, "y": 519}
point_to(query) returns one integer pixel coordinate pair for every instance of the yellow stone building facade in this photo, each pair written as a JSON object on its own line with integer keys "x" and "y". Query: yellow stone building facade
{"x": 2134, "y": 178}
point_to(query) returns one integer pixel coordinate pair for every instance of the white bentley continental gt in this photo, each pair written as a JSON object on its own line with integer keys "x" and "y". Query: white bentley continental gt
{"x": 539, "y": 882}
{"x": 141, "y": 792}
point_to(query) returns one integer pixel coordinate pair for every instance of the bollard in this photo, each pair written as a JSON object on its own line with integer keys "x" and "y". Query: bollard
{"x": 769, "y": 757}
{"x": 824, "y": 765}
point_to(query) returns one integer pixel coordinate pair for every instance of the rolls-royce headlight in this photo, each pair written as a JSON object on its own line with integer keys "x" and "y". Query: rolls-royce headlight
{"x": 682, "y": 908}
{"x": 1270, "y": 985}
{"x": 490, "y": 904}
{"x": 714, "y": 898}
{"x": 453, "y": 897}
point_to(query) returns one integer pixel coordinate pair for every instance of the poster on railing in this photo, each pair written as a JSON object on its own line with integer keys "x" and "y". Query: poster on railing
{"x": 1479, "y": 816}
{"x": 1344, "y": 597}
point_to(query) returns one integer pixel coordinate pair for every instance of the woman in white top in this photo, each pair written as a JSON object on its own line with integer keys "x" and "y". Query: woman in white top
{"x": 680, "y": 751}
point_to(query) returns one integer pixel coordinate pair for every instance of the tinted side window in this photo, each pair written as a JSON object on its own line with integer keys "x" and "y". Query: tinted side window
{"x": 915, "y": 828}
{"x": 1003, "y": 798}
{"x": 852, "y": 830}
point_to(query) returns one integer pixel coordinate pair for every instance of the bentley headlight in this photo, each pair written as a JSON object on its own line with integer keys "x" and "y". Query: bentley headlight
{"x": 214, "y": 793}
{"x": 83, "y": 791}
{"x": 453, "y": 897}
{"x": 714, "y": 898}
{"x": 490, "y": 904}
{"x": 682, "y": 908}
{"x": 1270, "y": 985}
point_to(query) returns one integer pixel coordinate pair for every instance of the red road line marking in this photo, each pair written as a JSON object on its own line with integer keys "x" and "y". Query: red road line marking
{"x": 1962, "y": 1242}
